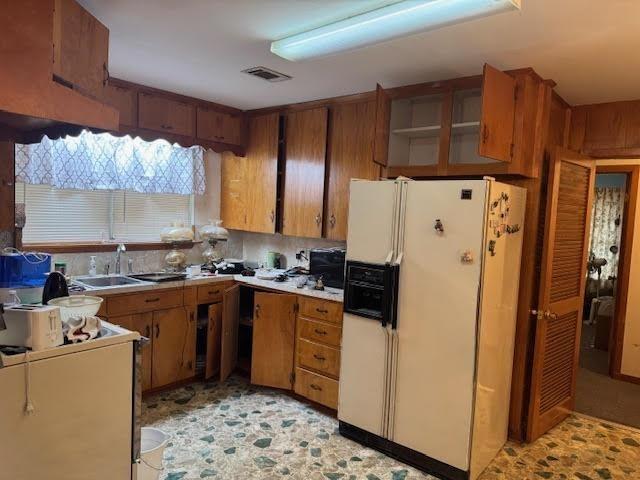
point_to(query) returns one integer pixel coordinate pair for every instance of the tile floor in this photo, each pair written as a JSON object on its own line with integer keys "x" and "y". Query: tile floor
{"x": 236, "y": 431}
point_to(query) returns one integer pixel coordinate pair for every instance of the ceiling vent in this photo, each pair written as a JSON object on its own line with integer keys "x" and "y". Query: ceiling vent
{"x": 267, "y": 74}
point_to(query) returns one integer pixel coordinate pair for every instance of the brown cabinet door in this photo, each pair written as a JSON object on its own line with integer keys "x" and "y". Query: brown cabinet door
{"x": 351, "y": 139}
{"x": 562, "y": 285}
{"x": 163, "y": 114}
{"x": 143, "y": 324}
{"x": 229, "y": 335}
{"x": 306, "y": 133}
{"x": 383, "y": 117}
{"x": 214, "y": 331}
{"x": 80, "y": 48}
{"x": 261, "y": 173}
{"x": 233, "y": 195}
{"x": 274, "y": 320}
{"x": 498, "y": 114}
{"x": 218, "y": 126}
{"x": 125, "y": 101}
{"x": 171, "y": 344}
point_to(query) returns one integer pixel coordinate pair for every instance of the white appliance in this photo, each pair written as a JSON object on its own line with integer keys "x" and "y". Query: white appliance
{"x": 37, "y": 327}
{"x": 72, "y": 412}
{"x": 431, "y": 293}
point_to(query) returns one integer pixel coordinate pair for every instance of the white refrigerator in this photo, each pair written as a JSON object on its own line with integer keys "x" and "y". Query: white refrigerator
{"x": 431, "y": 292}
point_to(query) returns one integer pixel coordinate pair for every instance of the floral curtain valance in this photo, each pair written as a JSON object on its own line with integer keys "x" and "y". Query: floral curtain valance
{"x": 104, "y": 162}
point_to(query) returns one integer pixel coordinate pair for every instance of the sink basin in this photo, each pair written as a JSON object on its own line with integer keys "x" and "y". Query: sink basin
{"x": 110, "y": 281}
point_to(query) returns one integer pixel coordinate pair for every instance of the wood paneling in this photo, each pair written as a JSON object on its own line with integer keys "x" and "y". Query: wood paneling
{"x": 383, "y": 116}
{"x": 125, "y": 101}
{"x": 214, "y": 332}
{"x": 163, "y": 114}
{"x": 7, "y": 186}
{"x": 305, "y": 158}
{"x": 317, "y": 309}
{"x": 272, "y": 353}
{"x": 261, "y": 173}
{"x": 144, "y": 301}
{"x": 317, "y": 388}
{"x": 563, "y": 278}
{"x": 171, "y": 340}
{"x": 80, "y": 48}
{"x": 234, "y": 192}
{"x": 498, "y": 114}
{"x": 319, "y": 358}
{"x": 229, "y": 335}
{"x": 351, "y": 138}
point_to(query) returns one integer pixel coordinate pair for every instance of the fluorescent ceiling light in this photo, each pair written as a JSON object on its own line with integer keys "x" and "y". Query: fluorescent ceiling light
{"x": 396, "y": 20}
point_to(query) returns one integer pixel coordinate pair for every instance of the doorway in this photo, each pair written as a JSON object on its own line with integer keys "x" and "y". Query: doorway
{"x": 598, "y": 393}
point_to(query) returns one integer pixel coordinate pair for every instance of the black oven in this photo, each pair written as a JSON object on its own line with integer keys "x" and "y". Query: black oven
{"x": 371, "y": 291}
{"x": 328, "y": 263}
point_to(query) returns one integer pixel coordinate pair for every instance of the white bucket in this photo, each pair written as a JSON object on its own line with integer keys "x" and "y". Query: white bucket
{"x": 153, "y": 442}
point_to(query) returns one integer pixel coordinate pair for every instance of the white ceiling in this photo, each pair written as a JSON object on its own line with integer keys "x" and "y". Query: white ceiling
{"x": 198, "y": 48}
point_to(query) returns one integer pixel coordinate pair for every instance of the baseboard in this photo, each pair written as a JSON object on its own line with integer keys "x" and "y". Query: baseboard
{"x": 626, "y": 378}
{"x": 406, "y": 455}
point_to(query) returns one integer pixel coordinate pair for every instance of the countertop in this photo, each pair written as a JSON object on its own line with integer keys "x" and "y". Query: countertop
{"x": 289, "y": 286}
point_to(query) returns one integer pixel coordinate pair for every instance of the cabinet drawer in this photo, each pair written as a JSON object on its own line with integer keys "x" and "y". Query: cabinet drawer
{"x": 319, "y": 358}
{"x": 144, "y": 302}
{"x": 320, "y": 309}
{"x": 165, "y": 115}
{"x": 317, "y": 388}
{"x": 320, "y": 332}
{"x": 211, "y": 293}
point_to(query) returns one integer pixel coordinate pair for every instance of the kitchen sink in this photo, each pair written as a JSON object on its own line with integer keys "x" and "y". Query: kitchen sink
{"x": 106, "y": 281}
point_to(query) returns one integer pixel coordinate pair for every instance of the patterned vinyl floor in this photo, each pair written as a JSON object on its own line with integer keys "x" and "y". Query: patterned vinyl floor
{"x": 237, "y": 431}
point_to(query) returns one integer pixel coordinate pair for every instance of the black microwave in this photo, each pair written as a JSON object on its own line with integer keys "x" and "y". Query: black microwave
{"x": 328, "y": 263}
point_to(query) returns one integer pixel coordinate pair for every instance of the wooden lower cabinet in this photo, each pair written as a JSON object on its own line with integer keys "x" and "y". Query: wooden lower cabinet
{"x": 174, "y": 341}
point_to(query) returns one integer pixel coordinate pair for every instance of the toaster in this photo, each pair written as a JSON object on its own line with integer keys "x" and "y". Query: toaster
{"x": 37, "y": 327}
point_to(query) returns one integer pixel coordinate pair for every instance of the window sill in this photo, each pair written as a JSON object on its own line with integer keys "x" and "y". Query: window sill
{"x": 102, "y": 247}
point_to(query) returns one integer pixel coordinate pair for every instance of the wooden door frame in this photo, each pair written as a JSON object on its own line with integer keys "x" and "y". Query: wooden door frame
{"x": 616, "y": 338}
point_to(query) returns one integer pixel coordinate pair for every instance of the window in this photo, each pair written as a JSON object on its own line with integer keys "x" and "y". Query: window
{"x": 86, "y": 216}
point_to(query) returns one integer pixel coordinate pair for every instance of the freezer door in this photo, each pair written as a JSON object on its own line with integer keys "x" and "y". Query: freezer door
{"x": 372, "y": 237}
{"x": 435, "y": 341}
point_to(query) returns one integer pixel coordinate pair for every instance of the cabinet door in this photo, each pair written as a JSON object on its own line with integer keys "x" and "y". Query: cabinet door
{"x": 214, "y": 330}
{"x": 80, "y": 48}
{"x": 306, "y": 134}
{"x": 143, "y": 324}
{"x": 261, "y": 173}
{"x": 171, "y": 333}
{"x": 350, "y": 156}
{"x": 383, "y": 117}
{"x": 125, "y": 101}
{"x": 163, "y": 114}
{"x": 498, "y": 115}
{"x": 233, "y": 195}
{"x": 218, "y": 126}
{"x": 230, "y": 321}
{"x": 274, "y": 320}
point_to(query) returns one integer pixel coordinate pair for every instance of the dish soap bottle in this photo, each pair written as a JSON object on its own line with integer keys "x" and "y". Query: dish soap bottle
{"x": 92, "y": 266}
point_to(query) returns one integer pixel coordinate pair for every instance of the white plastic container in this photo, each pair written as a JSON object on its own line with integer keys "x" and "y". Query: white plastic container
{"x": 153, "y": 443}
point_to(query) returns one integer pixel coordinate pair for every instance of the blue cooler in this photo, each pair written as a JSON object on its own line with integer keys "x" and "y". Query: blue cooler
{"x": 24, "y": 272}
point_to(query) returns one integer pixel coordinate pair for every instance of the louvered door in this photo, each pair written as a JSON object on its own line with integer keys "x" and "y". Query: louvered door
{"x": 562, "y": 283}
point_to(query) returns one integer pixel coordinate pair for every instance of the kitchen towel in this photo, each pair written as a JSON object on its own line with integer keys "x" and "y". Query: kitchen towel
{"x": 82, "y": 328}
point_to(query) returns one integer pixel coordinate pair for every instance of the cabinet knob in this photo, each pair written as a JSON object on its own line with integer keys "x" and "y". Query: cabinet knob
{"x": 332, "y": 220}
{"x": 318, "y": 219}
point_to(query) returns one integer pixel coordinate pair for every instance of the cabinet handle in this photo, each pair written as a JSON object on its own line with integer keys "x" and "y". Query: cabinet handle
{"x": 257, "y": 310}
{"x": 147, "y": 331}
{"x": 152, "y": 300}
{"x": 320, "y": 332}
{"x": 318, "y": 219}
{"x": 332, "y": 220}
{"x": 213, "y": 292}
{"x": 485, "y": 134}
{"x": 166, "y": 127}
{"x": 272, "y": 216}
{"x": 105, "y": 74}
{"x": 319, "y": 357}
{"x": 322, "y": 310}
{"x": 157, "y": 330}
{"x": 313, "y": 386}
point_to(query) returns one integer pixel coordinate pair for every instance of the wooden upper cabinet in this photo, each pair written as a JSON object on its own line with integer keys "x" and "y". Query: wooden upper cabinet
{"x": 383, "y": 117}
{"x": 163, "y": 114}
{"x": 351, "y": 139}
{"x": 219, "y": 126}
{"x": 274, "y": 321}
{"x": 233, "y": 196}
{"x": 305, "y": 157}
{"x": 261, "y": 173}
{"x": 125, "y": 100}
{"x": 80, "y": 49}
{"x": 498, "y": 115}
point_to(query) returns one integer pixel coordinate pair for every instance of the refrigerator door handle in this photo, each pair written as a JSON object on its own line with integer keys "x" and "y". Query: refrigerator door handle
{"x": 390, "y": 295}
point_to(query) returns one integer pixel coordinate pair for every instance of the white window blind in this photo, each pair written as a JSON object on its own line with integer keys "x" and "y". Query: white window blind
{"x": 75, "y": 216}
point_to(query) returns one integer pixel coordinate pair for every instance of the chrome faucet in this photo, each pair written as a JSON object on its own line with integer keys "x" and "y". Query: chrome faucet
{"x": 119, "y": 251}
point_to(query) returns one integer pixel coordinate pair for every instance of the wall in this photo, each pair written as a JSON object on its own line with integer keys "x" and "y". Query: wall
{"x": 631, "y": 345}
